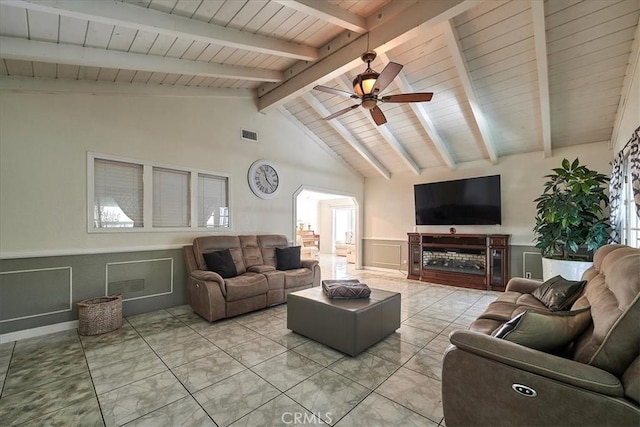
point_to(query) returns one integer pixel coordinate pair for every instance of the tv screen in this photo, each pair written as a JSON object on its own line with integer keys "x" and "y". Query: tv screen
{"x": 472, "y": 201}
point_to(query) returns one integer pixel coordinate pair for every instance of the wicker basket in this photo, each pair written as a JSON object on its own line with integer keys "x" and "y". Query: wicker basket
{"x": 100, "y": 315}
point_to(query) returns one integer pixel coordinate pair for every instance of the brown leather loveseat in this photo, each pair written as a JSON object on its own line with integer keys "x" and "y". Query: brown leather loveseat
{"x": 594, "y": 380}
{"x": 258, "y": 283}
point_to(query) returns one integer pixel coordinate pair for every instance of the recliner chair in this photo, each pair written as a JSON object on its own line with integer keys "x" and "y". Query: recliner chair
{"x": 488, "y": 381}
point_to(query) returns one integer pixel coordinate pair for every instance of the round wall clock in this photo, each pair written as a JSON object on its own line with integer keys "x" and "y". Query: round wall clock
{"x": 263, "y": 179}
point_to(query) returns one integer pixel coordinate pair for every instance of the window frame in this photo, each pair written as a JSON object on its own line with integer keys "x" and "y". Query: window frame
{"x": 630, "y": 223}
{"x": 147, "y": 195}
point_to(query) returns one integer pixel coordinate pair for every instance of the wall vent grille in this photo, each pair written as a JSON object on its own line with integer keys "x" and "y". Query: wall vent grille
{"x": 249, "y": 135}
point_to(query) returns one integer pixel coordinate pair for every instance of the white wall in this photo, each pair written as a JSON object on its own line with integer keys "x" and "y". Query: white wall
{"x": 630, "y": 112}
{"x": 44, "y": 140}
{"x": 389, "y": 204}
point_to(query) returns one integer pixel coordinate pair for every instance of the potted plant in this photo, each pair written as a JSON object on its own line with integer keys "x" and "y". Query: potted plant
{"x": 571, "y": 218}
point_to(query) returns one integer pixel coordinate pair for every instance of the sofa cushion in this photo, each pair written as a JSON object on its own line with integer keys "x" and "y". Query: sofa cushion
{"x": 206, "y": 244}
{"x": 275, "y": 279}
{"x": 297, "y": 278}
{"x": 268, "y": 244}
{"x": 251, "y": 253}
{"x": 545, "y": 331}
{"x": 509, "y": 304}
{"x": 221, "y": 262}
{"x": 559, "y": 293}
{"x": 288, "y": 258}
{"x": 245, "y": 286}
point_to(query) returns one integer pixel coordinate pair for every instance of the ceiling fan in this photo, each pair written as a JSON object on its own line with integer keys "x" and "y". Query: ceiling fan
{"x": 369, "y": 84}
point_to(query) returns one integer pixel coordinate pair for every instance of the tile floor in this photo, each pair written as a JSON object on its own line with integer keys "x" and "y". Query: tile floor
{"x": 172, "y": 368}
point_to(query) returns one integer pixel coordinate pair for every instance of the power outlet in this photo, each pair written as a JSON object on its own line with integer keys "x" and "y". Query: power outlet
{"x": 527, "y": 275}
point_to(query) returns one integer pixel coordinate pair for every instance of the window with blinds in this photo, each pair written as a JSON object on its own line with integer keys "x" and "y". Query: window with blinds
{"x": 213, "y": 207}
{"x": 127, "y": 195}
{"x": 118, "y": 194}
{"x": 171, "y": 199}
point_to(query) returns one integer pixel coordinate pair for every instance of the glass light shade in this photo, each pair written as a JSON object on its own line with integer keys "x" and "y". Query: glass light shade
{"x": 363, "y": 83}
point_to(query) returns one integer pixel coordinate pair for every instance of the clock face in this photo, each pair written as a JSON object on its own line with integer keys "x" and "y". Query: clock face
{"x": 263, "y": 179}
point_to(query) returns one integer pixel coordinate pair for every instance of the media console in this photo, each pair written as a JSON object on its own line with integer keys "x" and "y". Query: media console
{"x": 478, "y": 261}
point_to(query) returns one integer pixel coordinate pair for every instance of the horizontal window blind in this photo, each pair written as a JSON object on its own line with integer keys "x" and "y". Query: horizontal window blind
{"x": 171, "y": 198}
{"x": 118, "y": 194}
{"x": 213, "y": 207}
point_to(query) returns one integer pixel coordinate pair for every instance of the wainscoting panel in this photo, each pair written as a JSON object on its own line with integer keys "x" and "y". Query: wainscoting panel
{"x": 39, "y": 292}
{"x": 138, "y": 279}
{"x": 384, "y": 253}
{"x": 19, "y": 290}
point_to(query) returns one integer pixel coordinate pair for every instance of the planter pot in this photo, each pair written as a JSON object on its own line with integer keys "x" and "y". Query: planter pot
{"x": 570, "y": 270}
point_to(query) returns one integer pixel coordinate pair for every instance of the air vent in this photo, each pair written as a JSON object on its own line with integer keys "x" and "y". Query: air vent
{"x": 249, "y": 135}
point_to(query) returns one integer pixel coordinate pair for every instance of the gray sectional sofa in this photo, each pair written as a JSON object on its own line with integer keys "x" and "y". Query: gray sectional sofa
{"x": 258, "y": 283}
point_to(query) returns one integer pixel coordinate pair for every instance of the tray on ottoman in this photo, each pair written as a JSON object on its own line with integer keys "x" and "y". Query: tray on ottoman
{"x": 348, "y": 325}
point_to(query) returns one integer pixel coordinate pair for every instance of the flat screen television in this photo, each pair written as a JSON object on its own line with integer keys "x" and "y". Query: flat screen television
{"x": 472, "y": 201}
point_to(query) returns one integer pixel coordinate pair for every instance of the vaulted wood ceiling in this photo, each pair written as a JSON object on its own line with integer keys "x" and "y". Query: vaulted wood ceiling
{"x": 507, "y": 76}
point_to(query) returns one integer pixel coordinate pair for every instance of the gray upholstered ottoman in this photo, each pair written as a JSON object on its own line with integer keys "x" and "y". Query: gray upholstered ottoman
{"x": 348, "y": 325}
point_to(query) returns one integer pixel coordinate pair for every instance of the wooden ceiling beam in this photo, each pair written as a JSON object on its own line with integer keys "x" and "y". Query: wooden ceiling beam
{"x": 384, "y": 132}
{"x": 346, "y": 135}
{"x": 328, "y": 12}
{"x": 424, "y": 119}
{"x": 144, "y": 19}
{"x": 31, "y": 50}
{"x": 455, "y": 48}
{"x": 540, "y": 40}
{"x": 405, "y": 25}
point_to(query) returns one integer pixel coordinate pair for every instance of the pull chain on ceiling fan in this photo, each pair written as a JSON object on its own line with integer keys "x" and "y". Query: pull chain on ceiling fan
{"x": 369, "y": 84}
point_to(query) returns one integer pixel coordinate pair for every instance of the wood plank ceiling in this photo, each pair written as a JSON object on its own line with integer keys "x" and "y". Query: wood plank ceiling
{"x": 507, "y": 76}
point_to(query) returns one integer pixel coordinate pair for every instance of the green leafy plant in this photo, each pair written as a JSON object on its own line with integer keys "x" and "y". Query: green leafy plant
{"x": 570, "y": 212}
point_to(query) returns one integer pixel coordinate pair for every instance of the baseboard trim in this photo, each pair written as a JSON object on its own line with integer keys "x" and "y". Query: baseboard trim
{"x": 402, "y": 273}
{"x": 39, "y": 331}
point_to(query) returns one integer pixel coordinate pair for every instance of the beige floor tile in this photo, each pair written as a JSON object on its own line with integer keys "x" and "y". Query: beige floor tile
{"x": 286, "y": 370}
{"x": 377, "y": 410}
{"x": 137, "y": 399}
{"x": 328, "y": 395}
{"x": 234, "y": 397}
{"x": 414, "y": 391}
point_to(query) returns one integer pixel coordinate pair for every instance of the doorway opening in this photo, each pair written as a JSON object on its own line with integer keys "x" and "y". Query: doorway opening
{"x": 327, "y": 224}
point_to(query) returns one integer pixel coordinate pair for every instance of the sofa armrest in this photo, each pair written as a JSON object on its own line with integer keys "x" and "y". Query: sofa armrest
{"x": 210, "y": 276}
{"x": 207, "y": 276}
{"x": 565, "y": 370}
{"x": 522, "y": 285}
{"x": 309, "y": 263}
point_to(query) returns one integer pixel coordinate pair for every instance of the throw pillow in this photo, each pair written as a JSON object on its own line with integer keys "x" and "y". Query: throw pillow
{"x": 288, "y": 258}
{"x": 559, "y": 293}
{"x": 545, "y": 331}
{"x": 221, "y": 262}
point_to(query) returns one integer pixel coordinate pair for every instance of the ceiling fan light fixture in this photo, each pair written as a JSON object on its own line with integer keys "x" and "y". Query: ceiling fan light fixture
{"x": 363, "y": 83}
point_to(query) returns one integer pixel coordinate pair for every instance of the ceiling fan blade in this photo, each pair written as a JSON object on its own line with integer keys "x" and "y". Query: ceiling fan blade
{"x": 334, "y": 91}
{"x": 408, "y": 97}
{"x": 386, "y": 76}
{"x": 378, "y": 116}
{"x": 341, "y": 112}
